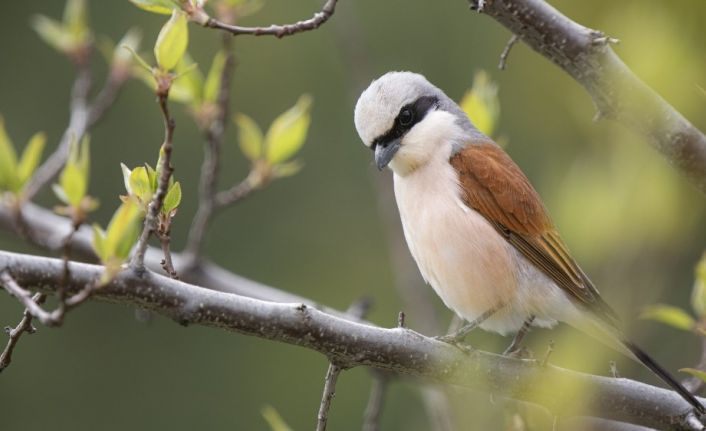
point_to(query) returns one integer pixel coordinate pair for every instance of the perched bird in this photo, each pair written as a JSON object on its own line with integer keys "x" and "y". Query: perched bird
{"x": 474, "y": 224}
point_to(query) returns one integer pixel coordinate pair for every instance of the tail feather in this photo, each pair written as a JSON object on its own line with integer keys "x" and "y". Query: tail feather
{"x": 663, "y": 374}
{"x": 607, "y": 331}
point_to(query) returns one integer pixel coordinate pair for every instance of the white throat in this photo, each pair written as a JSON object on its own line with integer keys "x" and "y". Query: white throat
{"x": 433, "y": 138}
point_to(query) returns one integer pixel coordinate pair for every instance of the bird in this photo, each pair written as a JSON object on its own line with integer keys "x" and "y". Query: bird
{"x": 476, "y": 227}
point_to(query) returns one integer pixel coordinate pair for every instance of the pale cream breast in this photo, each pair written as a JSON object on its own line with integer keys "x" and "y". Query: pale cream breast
{"x": 458, "y": 252}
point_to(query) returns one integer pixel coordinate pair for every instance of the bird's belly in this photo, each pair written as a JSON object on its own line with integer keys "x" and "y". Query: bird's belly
{"x": 471, "y": 267}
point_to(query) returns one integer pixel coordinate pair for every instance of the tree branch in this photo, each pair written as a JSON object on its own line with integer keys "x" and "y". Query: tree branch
{"x": 16, "y": 333}
{"x": 166, "y": 170}
{"x": 618, "y": 94}
{"x": 211, "y": 162}
{"x": 350, "y": 344}
{"x": 279, "y": 31}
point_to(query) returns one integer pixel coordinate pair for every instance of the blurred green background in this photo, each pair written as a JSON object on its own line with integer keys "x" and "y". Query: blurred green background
{"x": 635, "y": 225}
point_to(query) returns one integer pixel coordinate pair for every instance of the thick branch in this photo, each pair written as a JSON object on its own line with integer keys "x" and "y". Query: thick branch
{"x": 586, "y": 56}
{"x": 351, "y": 344}
{"x": 279, "y": 31}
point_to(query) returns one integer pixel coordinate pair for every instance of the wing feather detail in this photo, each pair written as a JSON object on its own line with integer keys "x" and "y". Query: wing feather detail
{"x": 494, "y": 185}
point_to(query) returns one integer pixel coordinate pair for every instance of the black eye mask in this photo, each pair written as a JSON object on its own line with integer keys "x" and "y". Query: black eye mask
{"x": 408, "y": 116}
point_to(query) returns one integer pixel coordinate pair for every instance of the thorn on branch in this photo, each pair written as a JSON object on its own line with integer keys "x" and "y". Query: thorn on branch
{"x": 614, "y": 369}
{"x": 400, "y": 319}
{"x": 477, "y": 5}
{"x": 506, "y": 51}
{"x": 599, "y": 38}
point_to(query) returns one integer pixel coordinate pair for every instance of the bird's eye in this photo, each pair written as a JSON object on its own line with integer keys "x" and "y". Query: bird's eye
{"x": 406, "y": 117}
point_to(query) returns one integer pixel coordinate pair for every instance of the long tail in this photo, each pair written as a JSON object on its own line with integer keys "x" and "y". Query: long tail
{"x": 606, "y": 331}
{"x": 663, "y": 374}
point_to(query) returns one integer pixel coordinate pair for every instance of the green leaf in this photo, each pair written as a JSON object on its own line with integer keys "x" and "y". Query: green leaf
{"x": 99, "y": 245}
{"x": 172, "y": 199}
{"x": 274, "y": 420}
{"x": 213, "y": 80}
{"x": 669, "y": 315}
{"x": 123, "y": 230}
{"x": 30, "y": 158}
{"x": 8, "y": 161}
{"x": 140, "y": 184}
{"x": 60, "y": 194}
{"x": 172, "y": 41}
{"x": 288, "y": 169}
{"x": 288, "y": 131}
{"x": 123, "y": 53}
{"x": 156, "y": 6}
{"x": 481, "y": 103}
{"x": 152, "y": 174}
{"x": 74, "y": 178}
{"x": 698, "y": 293}
{"x": 249, "y": 137}
{"x": 76, "y": 20}
{"x": 189, "y": 87}
{"x": 53, "y": 33}
{"x": 73, "y": 184}
{"x": 694, "y": 372}
{"x": 126, "y": 177}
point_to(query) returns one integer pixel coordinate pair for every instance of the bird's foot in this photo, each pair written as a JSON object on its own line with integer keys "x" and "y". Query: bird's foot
{"x": 455, "y": 339}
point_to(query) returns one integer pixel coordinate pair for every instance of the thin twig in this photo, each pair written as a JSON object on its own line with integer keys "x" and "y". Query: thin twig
{"x": 167, "y": 263}
{"x": 234, "y": 194}
{"x": 376, "y": 400}
{"x": 78, "y": 124}
{"x": 506, "y": 51}
{"x": 16, "y": 333}
{"x": 138, "y": 260}
{"x": 279, "y": 31}
{"x": 329, "y": 392}
{"x": 211, "y": 161}
{"x": 26, "y": 299}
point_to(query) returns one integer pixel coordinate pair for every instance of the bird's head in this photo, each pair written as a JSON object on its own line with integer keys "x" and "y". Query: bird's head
{"x": 406, "y": 121}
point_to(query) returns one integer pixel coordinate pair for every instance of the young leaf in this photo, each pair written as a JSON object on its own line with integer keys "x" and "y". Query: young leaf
{"x": 76, "y": 19}
{"x": 694, "y": 372}
{"x": 288, "y": 131}
{"x": 156, "y": 6}
{"x": 274, "y": 420}
{"x": 669, "y": 315}
{"x": 74, "y": 178}
{"x": 73, "y": 184}
{"x": 52, "y": 33}
{"x": 130, "y": 43}
{"x": 126, "y": 177}
{"x": 30, "y": 158}
{"x": 288, "y": 169}
{"x": 172, "y": 41}
{"x": 99, "y": 245}
{"x": 481, "y": 104}
{"x": 249, "y": 137}
{"x": 698, "y": 293}
{"x": 189, "y": 87}
{"x": 123, "y": 230}
{"x": 60, "y": 194}
{"x": 213, "y": 80}
{"x": 172, "y": 199}
{"x": 152, "y": 174}
{"x": 140, "y": 184}
{"x": 8, "y": 161}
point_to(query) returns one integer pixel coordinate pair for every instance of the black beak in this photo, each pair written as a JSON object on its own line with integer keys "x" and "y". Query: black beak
{"x": 385, "y": 151}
